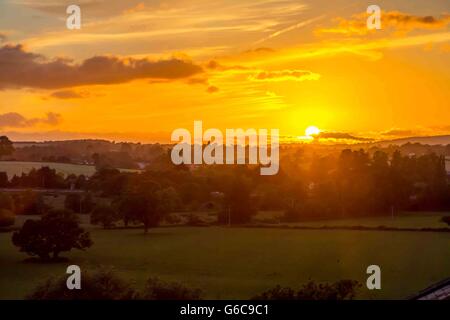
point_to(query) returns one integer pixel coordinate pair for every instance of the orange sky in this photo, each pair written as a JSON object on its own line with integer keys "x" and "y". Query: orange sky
{"x": 137, "y": 70}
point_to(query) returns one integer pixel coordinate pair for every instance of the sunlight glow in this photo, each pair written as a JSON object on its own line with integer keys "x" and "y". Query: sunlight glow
{"x": 312, "y": 131}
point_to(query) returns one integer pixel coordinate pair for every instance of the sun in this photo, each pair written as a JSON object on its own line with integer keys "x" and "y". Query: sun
{"x": 312, "y": 131}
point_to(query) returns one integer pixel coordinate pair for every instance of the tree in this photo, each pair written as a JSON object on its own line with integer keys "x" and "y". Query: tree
{"x": 6, "y": 146}
{"x": 238, "y": 206}
{"x": 340, "y": 290}
{"x": 56, "y": 232}
{"x": 78, "y": 203}
{"x": 104, "y": 215}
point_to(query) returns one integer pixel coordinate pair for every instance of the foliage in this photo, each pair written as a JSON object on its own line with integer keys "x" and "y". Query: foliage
{"x": 56, "y": 232}
{"x": 6, "y": 146}
{"x": 78, "y": 203}
{"x": 340, "y": 290}
{"x": 104, "y": 215}
{"x": 30, "y": 203}
{"x": 100, "y": 285}
{"x": 104, "y": 284}
{"x": 156, "y": 289}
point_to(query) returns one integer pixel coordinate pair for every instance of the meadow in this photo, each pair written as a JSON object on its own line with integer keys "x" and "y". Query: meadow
{"x": 18, "y": 167}
{"x": 237, "y": 263}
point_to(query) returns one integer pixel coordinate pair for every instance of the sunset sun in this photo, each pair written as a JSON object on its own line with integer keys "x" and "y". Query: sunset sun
{"x": 312, "y": 131}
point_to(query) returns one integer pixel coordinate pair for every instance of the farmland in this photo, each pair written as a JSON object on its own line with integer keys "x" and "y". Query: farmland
{"x": 229, "y": 263}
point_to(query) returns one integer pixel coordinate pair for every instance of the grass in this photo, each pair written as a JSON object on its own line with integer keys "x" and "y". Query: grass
{"x": 231, "y": 263}
{"x": 18, "y": 167}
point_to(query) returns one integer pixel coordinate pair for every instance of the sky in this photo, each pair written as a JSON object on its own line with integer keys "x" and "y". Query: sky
{"x": 137, "y": 70}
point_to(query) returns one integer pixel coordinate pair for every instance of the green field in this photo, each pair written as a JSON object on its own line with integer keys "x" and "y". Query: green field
{"x": 18, "y": 167}
{"x": 239, "y": 262}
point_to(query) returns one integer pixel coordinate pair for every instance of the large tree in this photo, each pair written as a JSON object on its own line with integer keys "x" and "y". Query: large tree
{"x": 6, "y": 146}
{"x": 57, "y": 231}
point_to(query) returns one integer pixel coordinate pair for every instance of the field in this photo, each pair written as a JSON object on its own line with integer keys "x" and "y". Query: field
{"x": 18, "y": 167}
{"x": 231, "y": 263}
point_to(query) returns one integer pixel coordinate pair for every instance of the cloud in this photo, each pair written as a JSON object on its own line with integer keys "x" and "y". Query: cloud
{"x": 212, "y": 89}
{"x": 399, "y": 132}
{"x": 340, "y": 136}
{"x": 19, "y": 68}
{"x": 285, "y": 75}
{"x": 398, "y": 21}
{"x": 16, "y": 120}
{"x": 288, "y": 29}
{"x": 68, "y": 94}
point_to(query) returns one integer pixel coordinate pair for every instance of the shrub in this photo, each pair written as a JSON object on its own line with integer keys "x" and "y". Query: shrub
{"x": 56, "y": 232}
{"x": 340, "y": 290}
{"x": 7, "y": 218}
{"x": 156, "y": 289}
{"x": 99, "y": 285}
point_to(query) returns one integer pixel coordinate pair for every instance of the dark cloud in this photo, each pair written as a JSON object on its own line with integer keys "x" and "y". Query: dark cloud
{"x": 212, "y": 89}
{"x": 215, "y": 65}
{"x": 395, "y": 20}
{"x": 16, "y": 120}
{"x": 340, "y": 136}
{"x": 399, "y": 133}
{"x": 68, "y": 94}
{"x": 19, "y": 68}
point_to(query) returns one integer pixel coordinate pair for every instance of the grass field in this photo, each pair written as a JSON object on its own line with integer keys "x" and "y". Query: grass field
{"x": 239, "y": 263}
{"x": 18, "y": 167}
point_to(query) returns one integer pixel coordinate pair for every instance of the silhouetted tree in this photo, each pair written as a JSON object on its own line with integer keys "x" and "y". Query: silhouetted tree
{"x": 56, "y": 232}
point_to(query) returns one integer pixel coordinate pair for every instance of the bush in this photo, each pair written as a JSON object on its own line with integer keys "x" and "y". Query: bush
{"x": 156, "y": 289}
{"x": 7, "y": 218}
{"x": 104, "y": 284}
{"x": 100, "y": 285}
{"x": 56, "y": 232}
{"x": 340, "y": 290}
{"x": 104, "y": 215}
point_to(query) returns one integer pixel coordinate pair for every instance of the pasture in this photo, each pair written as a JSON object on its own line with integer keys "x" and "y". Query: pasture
{"x": 18, "y": 167}
{"x": 234, "y": 263}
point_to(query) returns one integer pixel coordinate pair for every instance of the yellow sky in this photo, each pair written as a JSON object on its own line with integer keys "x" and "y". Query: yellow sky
{"x": 248, "y": 64}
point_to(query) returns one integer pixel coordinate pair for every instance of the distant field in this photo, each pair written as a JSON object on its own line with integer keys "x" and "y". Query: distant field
{"x": 17, "y": 167}
{"x": 239, "y": 262}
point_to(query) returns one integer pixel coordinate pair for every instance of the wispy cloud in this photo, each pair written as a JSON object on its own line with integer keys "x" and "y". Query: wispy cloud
{"x": 285, "y": 75}
{"x": 391, "y": 20}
